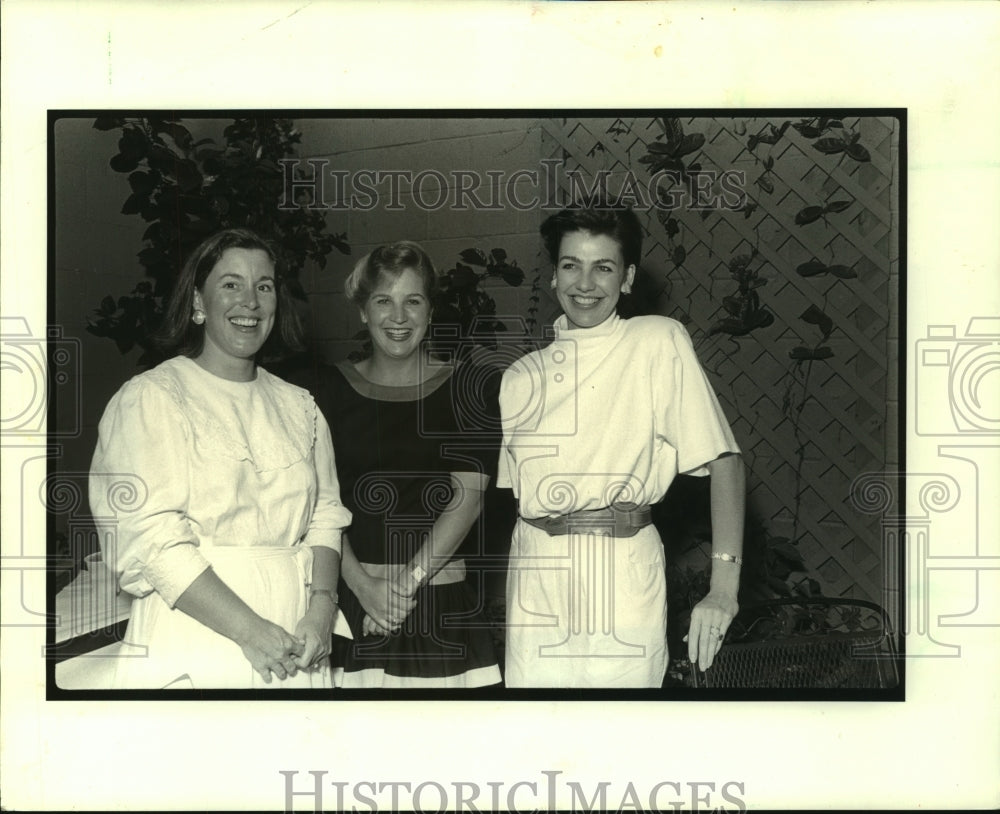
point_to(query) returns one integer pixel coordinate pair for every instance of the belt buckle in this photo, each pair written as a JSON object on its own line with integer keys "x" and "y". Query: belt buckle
{"x": 554, "y": 526}
{"x": 624, "y": 524}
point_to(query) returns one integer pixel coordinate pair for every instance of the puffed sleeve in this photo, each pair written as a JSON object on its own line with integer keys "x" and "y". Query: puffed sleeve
{"x": 139, "y": 492}
{"x": 688, "y": 415}
{"x": 330, "y": 516}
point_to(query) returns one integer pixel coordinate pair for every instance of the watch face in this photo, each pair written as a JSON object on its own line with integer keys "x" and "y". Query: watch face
{"x": 418, "y": 573}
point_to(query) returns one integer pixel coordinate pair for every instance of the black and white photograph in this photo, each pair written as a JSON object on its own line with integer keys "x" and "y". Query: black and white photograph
{"x": 551, "y": 406}
{"x": 508, "y": 502}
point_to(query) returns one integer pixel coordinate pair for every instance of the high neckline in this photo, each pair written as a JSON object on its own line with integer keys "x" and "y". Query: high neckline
{"x": 606, "y": 328}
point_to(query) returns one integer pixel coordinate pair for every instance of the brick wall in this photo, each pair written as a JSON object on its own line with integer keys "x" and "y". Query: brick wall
{"x": 428, "y": 149}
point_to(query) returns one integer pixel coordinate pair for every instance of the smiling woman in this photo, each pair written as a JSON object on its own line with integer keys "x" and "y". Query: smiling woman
{"x": 236, "y": 304}
{"x": 620, "y": 407}
{"x": 590, "y": 276}
{"x": 233, "y": 551}
{"x": 414, "y": 477}
{"x": 397, "y": 315}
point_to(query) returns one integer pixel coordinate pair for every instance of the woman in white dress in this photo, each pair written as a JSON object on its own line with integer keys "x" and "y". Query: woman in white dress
{"x": 230, "y": 536}
{"x": 596, "y": 426}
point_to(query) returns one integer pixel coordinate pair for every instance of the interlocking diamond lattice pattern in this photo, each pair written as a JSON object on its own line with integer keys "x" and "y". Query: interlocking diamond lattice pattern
{"x": 807, "y": 429}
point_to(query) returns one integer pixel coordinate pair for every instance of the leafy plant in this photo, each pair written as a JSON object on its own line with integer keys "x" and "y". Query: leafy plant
{"x": 843, "y": 141}
{"x": 534, "y": 299}
{"x": 678, "y": 254}
{"x": 617, "y": 128}
{"x": 798, "y": 379}
{"x": 816, "y": 126}
{"x": 813, "y": 213}
{"x": 808, "y": 618}
{"x": 745, "y": 311}
{"x": 763, "y": 181}
{"x": 186, "y": 190}
{"x": 463, "y": 302}
{"x": 814, "y": 316}
{"x": 768, "y": 135}
{"x": 846, "y": 143}
{"x": 666, "y": 153}
{"x": 773, "y": 566}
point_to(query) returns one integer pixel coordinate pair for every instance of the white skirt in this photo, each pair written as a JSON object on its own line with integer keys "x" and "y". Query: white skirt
{"x": 585, "y": 610}
{"x": 166, "y": 648}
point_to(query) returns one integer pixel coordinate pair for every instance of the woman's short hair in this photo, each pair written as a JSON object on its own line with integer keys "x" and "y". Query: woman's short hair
{"x": 392, "y": 259}
{"x": 617, "y": 222}
{"x": 179, "y": 336}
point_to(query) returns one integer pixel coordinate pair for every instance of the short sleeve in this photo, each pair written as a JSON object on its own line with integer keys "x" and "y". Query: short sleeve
{"x": 329, "y": 516}
{"x": 505, "y": 468}
{"x": 139, "y": 492}
{"x": 473, "y": 410}
{"x": 506, "y": 465}
{"x": 688, "y": 414}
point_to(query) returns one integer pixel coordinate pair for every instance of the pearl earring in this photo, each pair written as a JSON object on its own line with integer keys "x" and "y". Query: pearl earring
{"x": 553, "y": 283}
{"x": 198, "y": 317}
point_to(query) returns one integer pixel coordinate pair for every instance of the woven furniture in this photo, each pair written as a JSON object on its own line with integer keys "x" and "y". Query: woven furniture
{"x": 804, "y": 446}
{"x": 803, "y": 643}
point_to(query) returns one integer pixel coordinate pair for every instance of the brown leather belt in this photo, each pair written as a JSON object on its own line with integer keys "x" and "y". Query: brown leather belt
{"x": 617, "y": 520}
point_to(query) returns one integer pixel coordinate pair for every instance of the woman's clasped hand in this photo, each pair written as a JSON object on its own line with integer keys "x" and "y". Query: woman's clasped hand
{"x": 233, "y": 551}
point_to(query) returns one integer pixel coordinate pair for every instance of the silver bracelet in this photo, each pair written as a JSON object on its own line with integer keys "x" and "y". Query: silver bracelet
{"x": 728, "y": 558}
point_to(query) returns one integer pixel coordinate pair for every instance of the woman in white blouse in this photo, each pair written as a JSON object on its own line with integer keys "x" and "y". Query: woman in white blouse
{"x": 596, "y": 426}
{"x": 231, "y": 541}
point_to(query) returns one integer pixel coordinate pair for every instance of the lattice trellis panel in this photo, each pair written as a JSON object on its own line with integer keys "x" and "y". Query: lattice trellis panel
{"x": 807, "y": 428}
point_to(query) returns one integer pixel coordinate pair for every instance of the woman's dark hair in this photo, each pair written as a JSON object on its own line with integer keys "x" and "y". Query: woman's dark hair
{"x": 619, "y": 223}
{"x": 392, "y": 259}
{"x": 179, "y": 336}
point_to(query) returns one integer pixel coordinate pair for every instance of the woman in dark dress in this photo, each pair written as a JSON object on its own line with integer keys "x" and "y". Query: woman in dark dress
{"x": 413, "y": 473}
